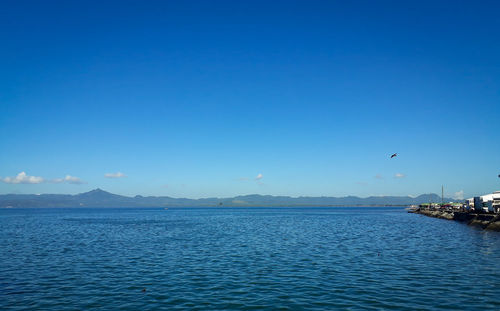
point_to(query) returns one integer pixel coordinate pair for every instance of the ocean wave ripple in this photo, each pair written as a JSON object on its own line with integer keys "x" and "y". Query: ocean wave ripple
{"x": 244, "y": 259}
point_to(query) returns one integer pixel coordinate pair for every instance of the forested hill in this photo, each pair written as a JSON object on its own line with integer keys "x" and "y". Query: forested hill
{"x": 101, "y": 198}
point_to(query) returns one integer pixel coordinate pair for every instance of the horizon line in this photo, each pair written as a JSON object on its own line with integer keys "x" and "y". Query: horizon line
{"x": 239, "y": 195}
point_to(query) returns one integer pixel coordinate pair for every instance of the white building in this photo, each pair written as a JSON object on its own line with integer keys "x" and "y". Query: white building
{"x": 496, "y": 201}
{"x": 489, "y": 202}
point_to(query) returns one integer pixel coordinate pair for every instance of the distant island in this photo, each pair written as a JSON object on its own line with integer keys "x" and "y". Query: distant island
{"x": 101, "y": 198}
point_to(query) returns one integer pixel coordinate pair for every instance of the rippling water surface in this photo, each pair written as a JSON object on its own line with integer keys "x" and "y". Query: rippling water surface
{"x": 244, "y": 259}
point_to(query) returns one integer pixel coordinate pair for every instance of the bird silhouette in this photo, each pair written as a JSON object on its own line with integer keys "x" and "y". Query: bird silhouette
{"x": 394, "y": 155}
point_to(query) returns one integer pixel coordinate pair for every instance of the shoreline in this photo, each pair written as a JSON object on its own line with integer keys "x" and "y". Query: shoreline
{"x": 485, "y": 221}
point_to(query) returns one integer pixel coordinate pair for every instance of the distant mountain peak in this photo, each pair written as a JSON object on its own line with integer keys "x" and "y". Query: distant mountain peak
{"x": 98, "y": 192}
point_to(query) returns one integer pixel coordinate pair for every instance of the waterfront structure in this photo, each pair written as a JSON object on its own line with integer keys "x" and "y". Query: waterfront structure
{"x": 485, "y": 203}
{"x": 478, "y": 204}
{"x": 450, "y": 206}
{"x": 430, "y": 206}
{"x": 496, "y": 201}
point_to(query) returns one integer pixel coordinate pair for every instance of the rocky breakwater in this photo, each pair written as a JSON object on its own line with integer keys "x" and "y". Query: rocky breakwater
{"x": 484, "y": 221}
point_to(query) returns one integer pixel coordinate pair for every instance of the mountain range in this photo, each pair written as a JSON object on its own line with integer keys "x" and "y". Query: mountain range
{"x": 101, "y": 198}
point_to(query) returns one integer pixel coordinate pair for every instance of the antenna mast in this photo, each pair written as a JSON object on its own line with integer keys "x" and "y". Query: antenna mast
{"x": 442, "y": 195}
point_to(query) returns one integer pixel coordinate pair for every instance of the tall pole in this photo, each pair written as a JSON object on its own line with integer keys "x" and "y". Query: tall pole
{"x": 442, "y": 195}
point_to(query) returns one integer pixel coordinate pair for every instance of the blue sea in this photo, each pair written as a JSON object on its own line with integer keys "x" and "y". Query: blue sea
{"x": 244, "y": 259}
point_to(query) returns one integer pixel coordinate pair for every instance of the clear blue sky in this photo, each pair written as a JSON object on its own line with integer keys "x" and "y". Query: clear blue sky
{"x": 196, "y": 99}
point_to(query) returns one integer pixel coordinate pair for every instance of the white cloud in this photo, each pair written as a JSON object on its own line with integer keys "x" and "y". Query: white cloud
{"x": 68, "y": 179}
{"x": 22, "y": 178}
{"x": 399, "y": 175}
{"x": 115, "y": 175}
{"x": 459, "y": 195}
{"x": 257, "y": 178}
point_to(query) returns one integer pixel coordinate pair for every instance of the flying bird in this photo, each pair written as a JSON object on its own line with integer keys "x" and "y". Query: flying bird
{"x": 394, "y": 155}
